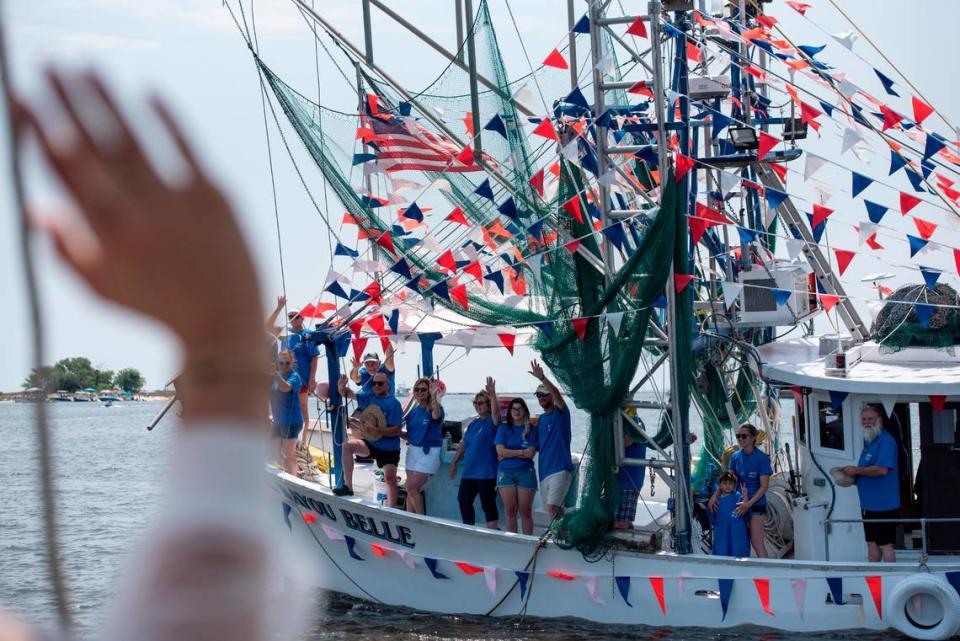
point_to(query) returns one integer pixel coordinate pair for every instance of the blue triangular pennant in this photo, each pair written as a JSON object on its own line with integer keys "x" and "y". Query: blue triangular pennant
{"x": 818, "y": 230}
{"x": 916, "y": 244}
{"x": 930, "y": 276}
{"x": 546, "y": 328}
{"x": 660, "y": 302}
{"x": 836, "y": 589}
{"x": 536, "y": 229}
{"x": 522, "y": 580}
{"x": 583, "y": 25}
{"x": 405, "y": 108}
{"x": 623, "y": 584}
{"x": 484, "y": 190}
{"x": 342, "y": 344}
{"x": 860, "y": 182}
{"x": 926, "y": 168}
{"x": 370, "y": 202}
{"x": 575, "y": 97}
{"x": 414, "y": 284}
{"x": 774, "y": 197}
{"x": 402, "y": 267}
{"x": 827, "y": 108}
{"x": 496, "y": 124}
{"x": 781, "y": 296}
{"x": 615, "y": 234}
{"x": 923, "y": 311}
{"x": 343, "y": 250}
{"x": 810, "y": 50}
{"x": 413, "y": 212}
{"x": 497, "y": 278}
{"x": 442, "y": 290}
{"x": 933, "y": 145}
{"x": 394, "y": 321}
{"x": 897, "y": 162}
{"x": 875, "y": 211}
{"x": 746, "y": 235}
{"x": 836, "y": 401}
{"x": 410, "y": 242}
{"x": 954, "y": 579}
{"x": 726, "y": 588}
{"x": 432, "y": 566}
{"x": 351, "y": 543}
{"x": 887, "y": 83}
{"x": 720, "y": 122}
{"x": 509, "y": 209}
{"x": 337, "y": 290}
{"x": 286, "y": 516}
{"x": 359, "y": 159}
{"x": 916, "y": 181}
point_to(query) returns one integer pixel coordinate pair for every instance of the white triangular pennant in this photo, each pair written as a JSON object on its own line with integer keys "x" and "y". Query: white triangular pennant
{"x": 490, "y": 576}
{"x": 615, "y": 319}
{"x": 850, "y": 139}
{"x": 867, "y": 229}
{"x": 571, "y": 151}
{"x": 608, "y": 178}
{"x": 728, "y": 182}
{"x": 888, "y": 404}
{"x": 799, "y": 592}
{"x": 813, "y": 164}
{"x": 847, "y": 38}
{"x": 847, "y": 88}
{"x": 769, "y": 214}
{"x": 331, "y": 533}
{"x": 535, "y": 263}
{"x": 408, "y": 559}
{"x": 605, "y": 65}
{"x": 731, "y": 292}
{"x": 590, "y": 581}
{"x": 794, "y": 247}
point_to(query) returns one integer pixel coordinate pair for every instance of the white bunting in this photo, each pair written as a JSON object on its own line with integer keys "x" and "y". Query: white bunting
{"x": 848, "y": 89}
{"x": 442, "y": 184}
{"x": 851, "y": 137}
{"x": 605, "y": 65}
{"x": 769, "y": 214}
{"x": 731, "y": 292}
{"x": 728, "y": 182}
{"x": 331, "y": 533}
{"x": 465, "y": 338}
{"x": 825, "y": 190}
{"x": 400, "y": 184}
{"x": 490, "y": 576}
{"x": 813, "y": 164}
{"x": 794, "y": 247}
{"x": 524, "y": 96}
{"x": 867, "y": 229}
{"x": 799, "y": 593}
{"x": 571, "y": 151}
{"x": 608, "y": 178}
{"x": 408, "y": 559}
{"x": 847, "y": 38}
{"x": 431, "y": 243}
{"x": 615, "y": 319}
{"x": 590, "y": 581}
{"x": 888, "y": 404}
{"x": 534, "y": 262}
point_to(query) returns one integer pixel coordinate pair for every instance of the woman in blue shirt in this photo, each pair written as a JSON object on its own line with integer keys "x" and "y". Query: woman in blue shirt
{"x": 480, "y": 459}
{"x": 285, "y": 408}
{"x": 516, "y": 446}
{"x": 424, "y": 424}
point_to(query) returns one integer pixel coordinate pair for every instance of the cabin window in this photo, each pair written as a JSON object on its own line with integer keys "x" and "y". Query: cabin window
{"x": 801, "y": 417}
{"x": 945, "y": 427}
{"x": 830, "y": 426}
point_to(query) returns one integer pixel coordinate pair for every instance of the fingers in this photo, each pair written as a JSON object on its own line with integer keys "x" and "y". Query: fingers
{"x": 177, "y": 135}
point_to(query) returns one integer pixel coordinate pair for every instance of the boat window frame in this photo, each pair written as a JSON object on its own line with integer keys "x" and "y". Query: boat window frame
{"x": 813, "y": 431}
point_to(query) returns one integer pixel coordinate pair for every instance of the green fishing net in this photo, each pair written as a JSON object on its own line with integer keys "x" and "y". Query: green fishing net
{"x": 899, "y": 326}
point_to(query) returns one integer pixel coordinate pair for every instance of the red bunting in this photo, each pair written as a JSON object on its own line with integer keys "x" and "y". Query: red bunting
{"x": 373, "y": 104}
{"x": 680, "y": 281}
{"x": 820, "y": 214}
{"x": 364, "y": 133}
{"x": 683, "y": 165}
{"x": 872, "y": 242}
{"x": 698, "y": 227}
{"x": 466, "y": 155}
{"x": 373, "y": 291}
{"x": 508, "y": 341}
{"x": 572, "y": 246}
{"x": 956, "y": 259}
{"x": 763, "y": 590}
{"x": 580, "y": 327}
{"x": 356, "y": 327}
{"x": 318, "y": 311}
{"x": 908, "y": 202}
{"x": 921, "y": 110}
{"x": 693, "y": 52}
{"x": 767, "y": 21}
{"x": 767, "y": 142}
{"x": 447, "y": 261}
{"x": 641, "y": 89}
{"x": 537, "y": 182}
{"x": 844, "y": 257}
{"x": 359, "y": 344}
{"x": 555, "y": 60}
{"x": 925, "y": 228}
{"x": 467, "y": 568}
{"x": 637, "y": 28}
{"x": 387, "y": 243}
{"x": 545, "y": 129}
{"x": 379, "y": 550}
{"x": 563, "y": 576}
{"x": 468, "y": 123}
{"x": 809, "y": 115}
{"x": 937, "y": 401}
{"x": 348, "y": 219}
{"x": 384, "y": 343}
{"x": 377, "y": 324}
{"x": 309, "y": 518}
{"x": 456, "y": 216}
{"x": 712, "y": 215}
{"x": 781, "y": 171}
{"x": 799, "y": 7}
{"x": 459, "y": 294}
{"x": 875, "y": 585}
{"x": 827, "y": 301}
{"x": 952, "y": 194}
{"x": 475, "y": 270}
{"x": 572, "y": 207}
{"x": 656, "y": 582}
{"x": 890, "y": 117}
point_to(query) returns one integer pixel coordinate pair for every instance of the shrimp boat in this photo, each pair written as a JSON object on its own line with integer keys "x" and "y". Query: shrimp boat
{"x": 636, "y": 221}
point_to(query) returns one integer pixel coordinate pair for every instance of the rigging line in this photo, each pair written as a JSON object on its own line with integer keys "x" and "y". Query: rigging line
{"x": 51, "y": 532}
{"x": 273, "y": 182}
{"x": 316, "y": 66}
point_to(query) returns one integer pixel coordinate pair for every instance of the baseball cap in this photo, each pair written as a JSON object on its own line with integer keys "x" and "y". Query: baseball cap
{"x": 542, "y": 389}
{"x": 293, "y": 314}
{"x": 370, "y": 356}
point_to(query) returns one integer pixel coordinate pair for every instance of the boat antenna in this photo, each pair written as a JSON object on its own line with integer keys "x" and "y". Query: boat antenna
{"x": 51, "y": 539}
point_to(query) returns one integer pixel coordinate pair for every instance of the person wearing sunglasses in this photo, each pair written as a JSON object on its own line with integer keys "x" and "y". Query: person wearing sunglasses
{"x": 384, "y": 450}
{"x": 479, "y": 453}
{"x": 424, "y": 423}
{"x": 516, "y": 443}
{"x": 752, "y": 467}
{"x": 362, "y": 372}
{"x": 554, "y": 435}
{"x": 285, "y": 409}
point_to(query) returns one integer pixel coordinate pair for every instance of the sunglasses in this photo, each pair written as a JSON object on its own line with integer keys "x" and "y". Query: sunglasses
{"x": 480, "y": 401}
{"x": 741, "y": 437}
{"x": 421, "y": 389}
{"x": 541, "y": 395}
{"x": 379, "y": 383}
{"x": 285, "y": 362}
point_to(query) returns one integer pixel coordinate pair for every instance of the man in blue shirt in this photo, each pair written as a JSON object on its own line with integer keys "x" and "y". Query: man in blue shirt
{"x": 385, "y": 449}
{"x": 553, "y": 429}
{"x": 877, "y": 484}
{"x": 363, "y": 376}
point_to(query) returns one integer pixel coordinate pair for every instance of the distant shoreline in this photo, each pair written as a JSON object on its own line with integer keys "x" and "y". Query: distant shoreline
{"x": 153, "y": 395}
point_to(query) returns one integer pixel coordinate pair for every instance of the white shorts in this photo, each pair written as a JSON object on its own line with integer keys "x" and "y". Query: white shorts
{"x": 417, "y": 461}
{"x": 553, "y": 489}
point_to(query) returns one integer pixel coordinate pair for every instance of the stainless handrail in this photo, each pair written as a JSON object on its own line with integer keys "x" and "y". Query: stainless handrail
{"x": 923, "y": 530}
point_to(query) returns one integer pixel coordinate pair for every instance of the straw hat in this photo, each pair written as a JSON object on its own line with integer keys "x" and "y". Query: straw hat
{"x": 840, "y": 478}
{"x": 372, "y": 422}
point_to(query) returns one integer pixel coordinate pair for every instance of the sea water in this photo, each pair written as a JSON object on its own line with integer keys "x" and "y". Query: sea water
{"x": 108, "y": 474}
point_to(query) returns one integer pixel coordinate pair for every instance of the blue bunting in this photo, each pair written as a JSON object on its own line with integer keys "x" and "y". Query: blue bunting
{"x": 719, "y": 123}
{"x": 836, "y": 402}
{"x": 818, "y": 230}
{"x": 522, "y": 580}
{"x": 836, "y": 589}
{"x": 402, "y": 267}
{"x": 897, "y": 162}
{"x": 394, "y": 321}
{"x": 933, "y": 145}
{"x": 442, "y": 290}
{"x": 337, "y": 290}
{"x": 343, "y": 250}
{"x": 405, "y": 108}
{"x": 484, "y": 190}
{"x": 623, "y": 584}
{"x": 432, "y": 566}
{"x": 615, "y": 234}
{"x": 413, "y": 212}
{"x": 497, "y": 278}
{"x": 774, "y": 197}
{"x": 509, "y": 209}
{"x": 781, "y": 296}
{"x": 887, "y": 83}
{"x": 916, "y": 244}
{"x": 370, "y": 202}
{"x": 930, "y": 276}
{"x": 726, "y": 588}
{"x": 546, "y": 328}
{"x": 827, "y": 108}
{"x": 923, "y": 312}
{"x": 860, "y": 182}
{"x": 660, "y": 302}
{"x": 746, "y": 235}
{"x": 583, "y": 25}
{"x": 810, "y": 50}
{"x": 915, "y": 180}
{"x": 875, "y": 211}
{"x": 496, "y": 124}
{"x": 359, "y": 159}
{"x": 358, "y": 296}
{"x": 575, "y": 97}
{"x": 351, "y": 544}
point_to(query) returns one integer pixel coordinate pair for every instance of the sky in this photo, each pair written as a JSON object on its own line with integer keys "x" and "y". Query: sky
{"x": 191, "y": 53}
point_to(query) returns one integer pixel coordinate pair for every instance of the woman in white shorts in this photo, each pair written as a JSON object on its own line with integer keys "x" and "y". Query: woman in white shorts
{"x": 423, "y": 423}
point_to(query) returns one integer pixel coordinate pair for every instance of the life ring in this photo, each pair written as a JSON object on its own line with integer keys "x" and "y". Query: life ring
{"x": 924, "y": 606}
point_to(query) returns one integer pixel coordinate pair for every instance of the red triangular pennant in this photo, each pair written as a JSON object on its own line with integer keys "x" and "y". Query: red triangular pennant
{"x": 537, "y": 182}
{"x": 781, "y": 171}
{"x": 925, "y": 228}
{"x": 656, "y": 582}
{"x": 545, "y": 129}
{"x": 580, "y": 327}
{"x": 466, "y": 155}
{"x": 698, "y": 227}
{"x": 358, "y": 344}
{"x": 820, "y": 214}
{"x": 572, "y": 246}
{"x": 467, "y": 568}
{"x": 572, "y": 207}
{"x": 937, "y": 401}
{"x": 683, "y": 165}
{"x": 387, "y": 243}
{"x": 890, "y": 117}
{"x": 508, "y": 341}
{"x": 447, "y": 261}
{"x": 799, "y": 7}
{"x": 763, "y": 591}
{"x": 693, "y": 52}
{"x": 475, "y": 270}
{"x": 767, "y": 142}
{"x": 641, "y": 89}
{"x": 921, "y": 110}
{"x": 456, "y": 216}
{"x": 637, "y": 28}
{"x": 844, "y": 257}
{"x": 373, "y": 104}
{"x": 555, "y": 60}
{"x": 956, "y": 259}
{"x": 827, "y": 301}
{"x": 680, "y": 281}
{"x": 872, "y": 242}
{"x": 459, "y": 294}
{"x": 875, "y": 585}
{"x": 908, "y": 202}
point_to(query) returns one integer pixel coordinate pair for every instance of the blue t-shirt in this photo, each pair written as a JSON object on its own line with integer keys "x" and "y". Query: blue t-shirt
{"x": 303, "y": 352}
{"x": 511, "y": 437}
{"x": 285, "y": 406}
{"x": 879, "y": 493}
{"x": 553, "y": 442}
{"x": 422, "y": 430}
{"x": 366, "y": 380}
{"x": 480, "y": 452}
{"x": 730, "y": 536}
{"x": 749, "y": 468}
{"x": 392, "y": 411}
{"x": 631, "y": 476}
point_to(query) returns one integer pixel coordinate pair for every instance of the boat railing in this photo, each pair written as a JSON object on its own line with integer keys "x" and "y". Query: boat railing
{"x": 923, "y": 521}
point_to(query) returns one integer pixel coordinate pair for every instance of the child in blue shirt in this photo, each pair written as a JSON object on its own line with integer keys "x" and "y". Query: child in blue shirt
{"x": 730, "y": 536}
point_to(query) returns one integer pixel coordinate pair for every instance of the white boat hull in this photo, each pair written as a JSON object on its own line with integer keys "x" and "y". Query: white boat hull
{"x": 799, "y": 593}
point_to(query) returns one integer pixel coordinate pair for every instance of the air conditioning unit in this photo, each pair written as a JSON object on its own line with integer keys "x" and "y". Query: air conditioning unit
{"x": 704, "y": 88}
{"x": 758, "y": 305}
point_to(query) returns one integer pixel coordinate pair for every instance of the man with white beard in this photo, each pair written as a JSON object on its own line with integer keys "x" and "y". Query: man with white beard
{"x": 878, "y": 484}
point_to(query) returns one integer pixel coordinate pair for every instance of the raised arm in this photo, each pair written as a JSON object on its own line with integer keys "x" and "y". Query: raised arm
{"x": 436, "y": 412}
{"x": 388, "y": 358}
{"x": 491, "y": 388}
{"x": 355, "y": 371}
{"x": 537, "y": 371}
{"x": 343, "y": 386}
{"x": 272, "y": 327}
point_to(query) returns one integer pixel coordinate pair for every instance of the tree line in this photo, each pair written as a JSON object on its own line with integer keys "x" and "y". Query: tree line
{"x": 77, "y": 373}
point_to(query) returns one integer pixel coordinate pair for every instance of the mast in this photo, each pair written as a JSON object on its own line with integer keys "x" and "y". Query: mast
{"x": 474, "y": 94}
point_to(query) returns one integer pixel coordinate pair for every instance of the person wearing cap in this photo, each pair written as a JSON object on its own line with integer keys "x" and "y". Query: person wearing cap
{"x": 307, "y": 355}
{"x": 363, "y": 376}
{"x": 877, "y": 478}
{"x": 554, "y": 434}
{"x": 385, "y": 450}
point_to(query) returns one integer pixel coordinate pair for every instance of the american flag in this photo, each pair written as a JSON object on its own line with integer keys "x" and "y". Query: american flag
{"x": 401, "y": 146}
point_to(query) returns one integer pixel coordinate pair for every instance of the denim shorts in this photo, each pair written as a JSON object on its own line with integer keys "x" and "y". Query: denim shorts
{"x": 287, "y": 431}
{"x": 525, "y": 478}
